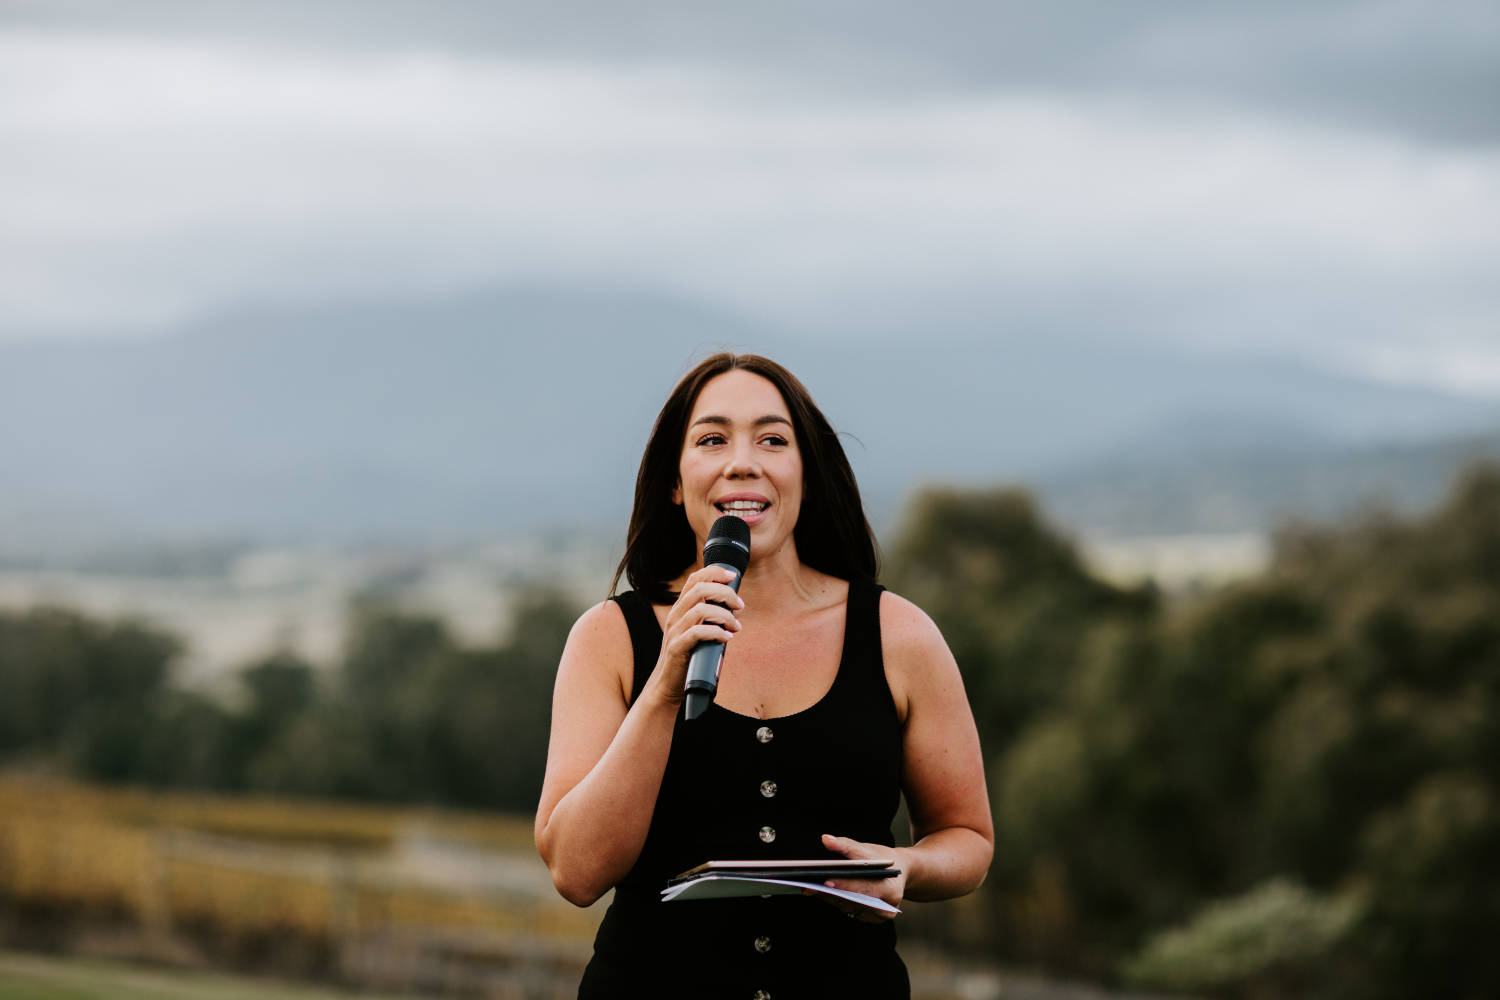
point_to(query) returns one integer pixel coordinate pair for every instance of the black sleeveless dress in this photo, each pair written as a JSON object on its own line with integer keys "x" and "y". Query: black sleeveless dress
{"x": 736, "y": 787}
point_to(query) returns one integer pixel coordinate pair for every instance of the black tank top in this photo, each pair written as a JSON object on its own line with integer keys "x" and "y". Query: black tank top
{"x": 737, "y": 787}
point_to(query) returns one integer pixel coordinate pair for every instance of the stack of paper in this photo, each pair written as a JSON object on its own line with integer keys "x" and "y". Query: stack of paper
{"x": 723, "y": 879}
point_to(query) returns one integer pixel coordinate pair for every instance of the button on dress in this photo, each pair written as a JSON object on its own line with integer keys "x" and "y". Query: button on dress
{"x": 740, "y": 788}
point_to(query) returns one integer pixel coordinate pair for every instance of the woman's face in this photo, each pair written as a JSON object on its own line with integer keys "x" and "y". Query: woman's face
{"x": 740, "y": 457}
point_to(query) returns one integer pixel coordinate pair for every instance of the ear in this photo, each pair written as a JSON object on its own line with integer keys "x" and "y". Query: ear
{"x": 677, "y": 493}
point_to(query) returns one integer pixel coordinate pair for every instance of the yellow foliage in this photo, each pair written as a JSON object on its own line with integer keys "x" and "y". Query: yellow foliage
{"x": 74, "y": 861}
{"x": 257, "y": 865}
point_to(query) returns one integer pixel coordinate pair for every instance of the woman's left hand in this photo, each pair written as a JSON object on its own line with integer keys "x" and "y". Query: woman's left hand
{"x": 892, "y": 890}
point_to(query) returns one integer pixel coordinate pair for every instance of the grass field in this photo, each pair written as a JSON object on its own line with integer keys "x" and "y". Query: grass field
{"x": 396, "y": 898}
{"x": 37, "y": 977}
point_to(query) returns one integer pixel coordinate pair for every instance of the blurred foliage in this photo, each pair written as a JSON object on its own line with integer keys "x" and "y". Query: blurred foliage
{"x": 1268, "y": 936}
{"x": 1172, "y": 781}
{"x": 1286, "y": 787}
{"x": 290, "y": 888}
{"x": 405, "y": 716}
{"x": 1009, "y": 594}
{"x": 83, "y": 689}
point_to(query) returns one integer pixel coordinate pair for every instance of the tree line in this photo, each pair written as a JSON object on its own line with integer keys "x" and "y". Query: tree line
{"x": 1284, "y": 787}
{"x": 407, "y": 714}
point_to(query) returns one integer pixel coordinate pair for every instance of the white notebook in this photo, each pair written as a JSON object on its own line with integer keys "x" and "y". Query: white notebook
{"x": 729, "y": 879}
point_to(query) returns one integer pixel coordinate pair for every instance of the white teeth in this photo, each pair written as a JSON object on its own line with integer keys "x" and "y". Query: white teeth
{"x": 742, "y": 507}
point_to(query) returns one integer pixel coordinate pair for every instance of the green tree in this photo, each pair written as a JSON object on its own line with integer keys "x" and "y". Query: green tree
{"x": 79, "y": 689}
{"x": 190, "y": 743}
{"x": 388, "y": 683}
{"x": 280, "y": 691}
{"x": 493, "y": 710}
{"x": 1332, "y": 726}
{"x": 1010, "y": 594}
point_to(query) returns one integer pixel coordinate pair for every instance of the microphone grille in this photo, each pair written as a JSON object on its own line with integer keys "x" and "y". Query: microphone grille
{"x": 728, "y": 543}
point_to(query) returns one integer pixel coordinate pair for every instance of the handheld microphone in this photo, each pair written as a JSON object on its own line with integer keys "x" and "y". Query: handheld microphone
{"x": 728, "y": 545}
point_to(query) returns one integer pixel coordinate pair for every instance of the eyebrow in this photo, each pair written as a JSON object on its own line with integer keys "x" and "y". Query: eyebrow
{"x": 714, "y": 418}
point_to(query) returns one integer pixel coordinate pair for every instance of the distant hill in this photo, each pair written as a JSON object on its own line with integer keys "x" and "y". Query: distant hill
{"x": 1255, "y": 487}
{"x": 519, "y": 410}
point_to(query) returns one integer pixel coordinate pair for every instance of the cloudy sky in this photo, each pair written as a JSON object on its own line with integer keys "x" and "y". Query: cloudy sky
{"x": 1318, "y": 179}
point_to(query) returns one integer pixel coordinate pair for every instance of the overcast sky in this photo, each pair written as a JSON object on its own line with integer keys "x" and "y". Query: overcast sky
{"x": 1315, "y": 179}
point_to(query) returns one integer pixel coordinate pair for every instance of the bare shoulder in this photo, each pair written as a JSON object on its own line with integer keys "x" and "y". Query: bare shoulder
{"x": 604, "y": 621}
{"x": 906, "y": 631}
{"x": 599, "y": 646}
{"x": 917, "y": 658}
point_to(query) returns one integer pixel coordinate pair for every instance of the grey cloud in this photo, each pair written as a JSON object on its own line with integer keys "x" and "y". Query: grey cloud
{"x": 1409, "y": 66}
{"x": 840, "y": 167}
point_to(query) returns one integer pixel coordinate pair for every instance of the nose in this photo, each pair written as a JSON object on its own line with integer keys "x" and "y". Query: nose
{"x": 742, "y": 462}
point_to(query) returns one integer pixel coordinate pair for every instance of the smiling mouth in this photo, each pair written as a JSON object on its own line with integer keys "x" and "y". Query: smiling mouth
{"x": 742, "y": 508}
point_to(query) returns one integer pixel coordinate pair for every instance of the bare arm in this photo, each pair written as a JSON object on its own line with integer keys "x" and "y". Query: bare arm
{"x": 606, "y": 757}
{"x": 943, "y": 771}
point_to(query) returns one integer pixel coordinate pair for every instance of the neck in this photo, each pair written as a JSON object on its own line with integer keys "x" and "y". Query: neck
{"x": 779, "y": 580}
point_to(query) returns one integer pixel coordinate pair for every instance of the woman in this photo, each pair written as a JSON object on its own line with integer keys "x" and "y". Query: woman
{"x": 834, "y": 697}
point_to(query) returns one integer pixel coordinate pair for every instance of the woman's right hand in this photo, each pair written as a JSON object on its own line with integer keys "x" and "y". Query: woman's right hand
{"x": 705, "y": 612}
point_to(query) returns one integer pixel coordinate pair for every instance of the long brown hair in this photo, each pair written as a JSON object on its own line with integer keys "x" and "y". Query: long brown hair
{"x": 832, "y": 533}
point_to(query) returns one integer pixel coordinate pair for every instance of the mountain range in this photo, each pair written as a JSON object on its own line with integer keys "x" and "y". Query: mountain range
{"x": 506, "y": 412}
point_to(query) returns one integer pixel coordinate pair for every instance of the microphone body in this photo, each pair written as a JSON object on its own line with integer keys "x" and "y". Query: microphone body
{"x": 728, "y": 546}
